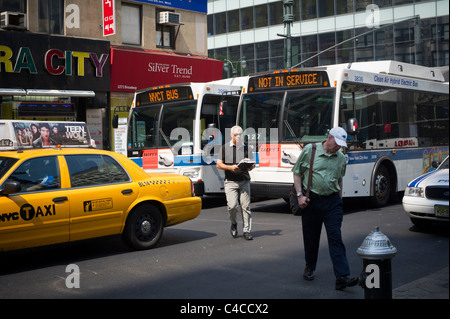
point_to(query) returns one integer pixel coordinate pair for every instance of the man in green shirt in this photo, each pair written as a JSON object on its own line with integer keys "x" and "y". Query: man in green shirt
{"x": 324, "y": 205}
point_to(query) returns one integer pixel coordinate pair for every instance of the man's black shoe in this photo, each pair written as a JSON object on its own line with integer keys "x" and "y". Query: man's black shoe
{"x": 233, "y": 230}
{"x": 247, "y": 236}
{"x": 308, "y": 274}
{"x": 345, "y": 281}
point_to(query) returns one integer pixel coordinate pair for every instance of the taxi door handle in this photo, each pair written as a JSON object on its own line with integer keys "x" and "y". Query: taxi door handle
{"x": 60, "y": 199}
{"x": 127, "y": 191}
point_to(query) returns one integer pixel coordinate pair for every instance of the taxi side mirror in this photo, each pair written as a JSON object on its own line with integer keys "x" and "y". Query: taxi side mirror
{"x": 10, "y": 187}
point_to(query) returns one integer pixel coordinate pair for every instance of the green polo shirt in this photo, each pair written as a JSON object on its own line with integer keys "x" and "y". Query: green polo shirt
{"x": 328, "y": 170}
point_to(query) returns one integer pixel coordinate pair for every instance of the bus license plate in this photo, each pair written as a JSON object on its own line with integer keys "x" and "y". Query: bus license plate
{"x": 441, "y": 211}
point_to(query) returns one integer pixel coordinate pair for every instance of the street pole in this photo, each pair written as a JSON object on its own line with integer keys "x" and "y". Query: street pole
{"x": 288, "y": 19}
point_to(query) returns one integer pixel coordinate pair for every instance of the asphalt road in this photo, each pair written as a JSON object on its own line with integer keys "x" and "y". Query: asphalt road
{"x": 200, "y": 260}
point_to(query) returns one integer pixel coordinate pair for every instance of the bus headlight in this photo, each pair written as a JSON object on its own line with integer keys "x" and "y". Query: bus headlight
{"x": 193, "y": 174}
{"x": 414, "y": 191}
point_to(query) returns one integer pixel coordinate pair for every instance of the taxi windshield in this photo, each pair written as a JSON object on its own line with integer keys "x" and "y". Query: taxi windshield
{"x": 5, "y": 164}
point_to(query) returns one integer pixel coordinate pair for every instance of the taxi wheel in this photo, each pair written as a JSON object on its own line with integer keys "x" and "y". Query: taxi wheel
{"x": 144, "y": 228}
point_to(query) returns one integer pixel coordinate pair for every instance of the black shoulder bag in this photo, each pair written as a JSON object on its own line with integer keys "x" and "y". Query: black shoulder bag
{"x": 293, "y": 199}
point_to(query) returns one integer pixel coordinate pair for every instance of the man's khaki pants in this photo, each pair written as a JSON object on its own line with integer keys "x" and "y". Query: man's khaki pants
{"x": 238, "y": 199}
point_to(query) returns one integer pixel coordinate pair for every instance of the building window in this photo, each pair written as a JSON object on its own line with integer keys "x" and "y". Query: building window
{"x": 309, "y": 9}
{"x": 210, "y": 19}
{"x": 51, "y": 14}
{"x": 13, "y": 6}
{"x": 344, "y": 6}
{"x": 131, "y": 24}
{"x": 247, "y": 18}
{"x": 165, "y": 34}
{"x": 233, "y": 20}
{"x": 261, "y": 17}
{"x": 220, "y": 22}
{"x": 326, "y": 8}
{"x": 275, "y": 13}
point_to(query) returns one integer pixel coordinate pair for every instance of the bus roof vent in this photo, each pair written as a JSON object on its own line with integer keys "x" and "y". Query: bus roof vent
{"x": 401, "y": 69}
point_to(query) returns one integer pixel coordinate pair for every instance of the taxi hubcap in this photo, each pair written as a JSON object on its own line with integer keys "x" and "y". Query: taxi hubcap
{"x": 146, "y": 227}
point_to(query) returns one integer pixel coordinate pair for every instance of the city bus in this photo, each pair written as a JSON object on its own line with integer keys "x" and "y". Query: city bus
{"x": 396, "y": 116}
{"x": 179, "y": 129}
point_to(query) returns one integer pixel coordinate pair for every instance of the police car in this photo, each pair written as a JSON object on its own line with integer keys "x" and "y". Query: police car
{"x": 52, "y": 194}
{"x": 426, "y": 197}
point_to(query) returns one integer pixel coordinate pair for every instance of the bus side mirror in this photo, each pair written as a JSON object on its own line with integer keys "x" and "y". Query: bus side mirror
{"x": 115, "y": 121}
{"x": 352, "y": 126}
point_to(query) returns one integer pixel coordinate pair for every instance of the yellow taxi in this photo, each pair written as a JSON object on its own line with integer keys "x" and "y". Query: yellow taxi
{"x": 55, "y": 194}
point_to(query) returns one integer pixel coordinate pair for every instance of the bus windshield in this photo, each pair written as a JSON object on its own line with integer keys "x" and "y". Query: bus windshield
{"x": 146, "y": 131}
{"x": 303, "y": 115}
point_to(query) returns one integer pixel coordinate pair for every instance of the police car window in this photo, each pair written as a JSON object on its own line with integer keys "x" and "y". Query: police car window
{"x": 116, "y": 172}
{"x": 39, "y": 173}
{"x": 87, "y": 170}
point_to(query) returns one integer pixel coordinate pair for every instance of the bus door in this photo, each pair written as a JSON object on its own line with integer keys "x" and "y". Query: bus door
{"x": 218, "y": 116}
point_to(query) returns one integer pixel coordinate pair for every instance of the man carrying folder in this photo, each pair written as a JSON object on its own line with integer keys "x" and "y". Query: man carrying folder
{"x": 236, "y": 159}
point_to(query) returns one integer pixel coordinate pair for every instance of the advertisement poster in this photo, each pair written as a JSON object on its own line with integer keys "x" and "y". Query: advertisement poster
{"x": 95, "y": 126}
{"x": 278, "y": 155}
{"x": 162, "y": 158}
{"x": 30, "y": 134}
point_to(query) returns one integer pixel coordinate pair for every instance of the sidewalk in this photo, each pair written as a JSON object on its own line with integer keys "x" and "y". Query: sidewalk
{"x": 434, "y": 286}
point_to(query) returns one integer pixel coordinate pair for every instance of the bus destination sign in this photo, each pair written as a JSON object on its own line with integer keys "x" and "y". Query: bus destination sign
{"x": 289, "y": 80}
{"x": 164, "y": 95}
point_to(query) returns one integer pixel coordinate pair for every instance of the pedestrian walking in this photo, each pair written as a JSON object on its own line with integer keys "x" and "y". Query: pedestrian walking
{"x": 237, "y": 180}
{"x": 324, "y": 205}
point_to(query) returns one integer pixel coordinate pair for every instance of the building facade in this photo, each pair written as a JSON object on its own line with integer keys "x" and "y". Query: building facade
{"x": 413, "y": 31}
{"x": 81, "y": 59}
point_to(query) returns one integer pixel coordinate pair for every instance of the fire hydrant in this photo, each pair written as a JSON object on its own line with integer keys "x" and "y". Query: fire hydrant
{"x": 376, "y": 251}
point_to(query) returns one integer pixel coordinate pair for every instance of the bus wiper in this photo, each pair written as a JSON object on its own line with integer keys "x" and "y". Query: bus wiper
{"x": 292, "y": 132}
{"x": 272, "y": 122}
{"x": 165, "y": 138}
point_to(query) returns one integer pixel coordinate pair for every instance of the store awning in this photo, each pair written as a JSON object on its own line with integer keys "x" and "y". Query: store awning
{"x": 37, "y": 92}
{"x": 136, "y": 69}
{"x": 13, "y": 92}
{"x": 74, "y": 93}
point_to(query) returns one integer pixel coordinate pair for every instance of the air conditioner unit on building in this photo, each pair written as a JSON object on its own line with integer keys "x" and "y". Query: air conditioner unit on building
{"x": 169, "y": 18}
{"x": 13, "y": 20}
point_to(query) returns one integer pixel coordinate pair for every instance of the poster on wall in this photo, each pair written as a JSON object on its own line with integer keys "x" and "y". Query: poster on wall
{"x": 94, "y": 123}
{"x": 120, "y": 137}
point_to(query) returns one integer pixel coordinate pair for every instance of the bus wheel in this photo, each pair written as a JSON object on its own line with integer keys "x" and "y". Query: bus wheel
{"x": 381, "y": 187}
{"x": 144, "y": 228}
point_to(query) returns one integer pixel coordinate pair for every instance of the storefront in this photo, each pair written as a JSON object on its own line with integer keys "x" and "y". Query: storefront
{"x": 136, "y": 69}
{"x": 56, "y": 78}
